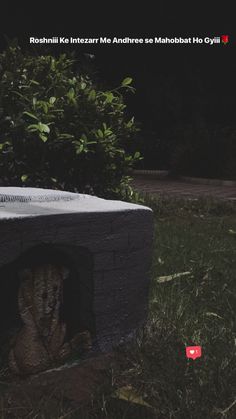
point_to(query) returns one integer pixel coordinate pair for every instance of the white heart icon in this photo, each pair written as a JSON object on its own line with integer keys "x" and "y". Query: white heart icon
{"x": 192, "y": 351}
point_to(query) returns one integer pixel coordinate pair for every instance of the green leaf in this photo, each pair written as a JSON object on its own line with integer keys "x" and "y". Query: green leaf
{"x": 52, "y": 100}
{"x": 83, "y": 137}
{"x": 109, "y": 97}
{"x": 120, "y": 150}
{"x": 71, "y": 93}
{"x": 43, "y": 137}
{"x": 24, "y": 178}
{"x": 100, "y": 133}
{"x": 92, "y": 95}
{"x": 30, "y": 115}
{"x": 127, "y": 81}
{"x": 72, "y": 82}
{"x": 107, "y": 132}
{"x": 136, "y": 155}
{"x": 65, "y": 136}
{"x": 130, "y": 123}
{"x": 43, "y": 127}
{"x": 79, "y": 149}
{"x": 83, "y": 85}
{"x": 44, "y": 106}
{"x": 33, "y": 128}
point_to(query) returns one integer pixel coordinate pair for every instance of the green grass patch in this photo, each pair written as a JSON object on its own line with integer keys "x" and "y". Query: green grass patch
{"x": 195, "y": 239}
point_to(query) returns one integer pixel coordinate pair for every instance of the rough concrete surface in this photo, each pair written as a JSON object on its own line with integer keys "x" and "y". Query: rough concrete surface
{"x": 111, "y": 242}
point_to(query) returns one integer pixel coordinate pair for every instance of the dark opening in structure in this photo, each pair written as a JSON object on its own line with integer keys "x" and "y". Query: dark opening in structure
{"x": 76, "y": 308}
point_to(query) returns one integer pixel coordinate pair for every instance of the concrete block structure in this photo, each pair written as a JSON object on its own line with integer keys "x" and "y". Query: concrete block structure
{"x": 106, "y": 244}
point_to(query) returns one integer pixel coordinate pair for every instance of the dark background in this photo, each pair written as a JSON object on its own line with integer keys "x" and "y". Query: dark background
{"x": 175, "y": 84}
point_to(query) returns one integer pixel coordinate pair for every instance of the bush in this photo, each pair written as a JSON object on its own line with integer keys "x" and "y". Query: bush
{"x": 58, "y": 130}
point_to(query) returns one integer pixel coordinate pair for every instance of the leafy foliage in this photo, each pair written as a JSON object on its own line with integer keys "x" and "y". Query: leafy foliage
{"x": 58, "y": 130}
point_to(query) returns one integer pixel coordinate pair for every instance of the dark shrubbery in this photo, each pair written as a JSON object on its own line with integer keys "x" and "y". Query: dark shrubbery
{"x": 204, "y": 151}
{"x": 191, "y": 149}
{"x": 58, "y": 130}
{"x": 155, "y": 151}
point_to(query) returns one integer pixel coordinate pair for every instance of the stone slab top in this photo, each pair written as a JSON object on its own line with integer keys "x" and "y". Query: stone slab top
{"x": 21, "y": 202}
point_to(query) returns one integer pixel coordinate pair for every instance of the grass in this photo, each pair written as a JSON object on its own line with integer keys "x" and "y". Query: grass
{"x": 151, "y": 377}
{"x": 197, "y": 309}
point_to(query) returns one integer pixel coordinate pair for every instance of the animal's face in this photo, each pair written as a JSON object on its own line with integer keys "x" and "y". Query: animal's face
{"x": 41, "y": 290}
